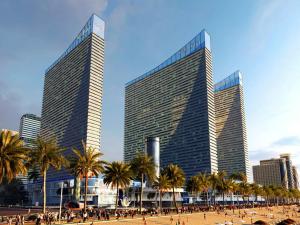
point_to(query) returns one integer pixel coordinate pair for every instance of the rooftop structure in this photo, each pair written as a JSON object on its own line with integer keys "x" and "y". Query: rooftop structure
{"x": 200, "y": 41}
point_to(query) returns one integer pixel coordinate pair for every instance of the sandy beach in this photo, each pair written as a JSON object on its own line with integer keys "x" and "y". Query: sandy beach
{"x": 271, "y": 215}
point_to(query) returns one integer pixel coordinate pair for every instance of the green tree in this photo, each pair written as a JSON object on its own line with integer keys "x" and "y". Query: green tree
{"x": 267, "y": 192}
{"x": 85, "y": 163}
{"x": 239, "y": 176}
{"x": 256, "y": 190}
{"x": 118, "y": 175}
{"x": 214, "y": 181}
{"x": 176, "y": 178}
{"x": 204, "y": 184}
{"x": 193, "y": 186}
{"x": 244, "y": 190}
{"x": 162, "y": 184}
{"x": 143, "y": 167}
{"x": 222, "y": 184}
{"x": 47, "y": 154}
{"x": 13, "y": 156}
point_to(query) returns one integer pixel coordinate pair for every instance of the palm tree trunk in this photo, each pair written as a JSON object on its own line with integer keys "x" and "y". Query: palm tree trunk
{"x": 141, "y": 193}
{"x": 174, "y": 200}
{"x": 223, "y": 200}
{"x": 44, "y": 190}
{"x": 160, "y": 201}
{"x": 207, "y": 198}
{"x": 117, "y": 197}
{"x": 85, "y": 191}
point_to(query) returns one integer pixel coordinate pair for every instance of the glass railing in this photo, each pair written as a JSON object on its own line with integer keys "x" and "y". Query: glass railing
{"x": 230, "y": 81}
{"x": 93, "y": 25}
{"x": 202, "y": 40}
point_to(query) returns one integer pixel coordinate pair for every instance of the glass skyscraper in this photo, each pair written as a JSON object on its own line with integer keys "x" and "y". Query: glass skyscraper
{"x": 175, "y": 102}
{"x": 231, "y": 126}
{"x": 29, "y": 130}
{"x": 30, "y": 125}
{"x": 72, "y": 100}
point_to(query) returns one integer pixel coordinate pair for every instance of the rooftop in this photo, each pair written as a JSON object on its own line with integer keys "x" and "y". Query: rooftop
{"x": 230, "y": 81}
{"x": 200, "y": 41}
{"x": 94, "y": 25}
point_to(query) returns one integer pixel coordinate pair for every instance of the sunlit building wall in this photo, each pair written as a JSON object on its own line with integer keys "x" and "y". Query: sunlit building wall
{"x": 231, "y": 129}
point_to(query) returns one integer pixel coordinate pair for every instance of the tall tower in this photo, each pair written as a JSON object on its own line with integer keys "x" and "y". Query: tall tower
{"x": 73, "y": 88}
{"x": 175, "y": 102}
{"x": 289, "y": 168}
{"x": 231, "y": 126}
{"x": 29, "y": 129}
{"x": 295, "y": 177}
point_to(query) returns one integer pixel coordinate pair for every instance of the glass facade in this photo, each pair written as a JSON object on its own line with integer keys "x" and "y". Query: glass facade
{"x": 72, "y": 98}
{"x": 231, "y": 126}
{"x": 173, "y": 102}
{"x": 202, "y": 40}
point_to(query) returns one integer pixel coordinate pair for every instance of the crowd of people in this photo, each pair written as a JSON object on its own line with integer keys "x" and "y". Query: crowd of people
{"x": 99, "y": 214}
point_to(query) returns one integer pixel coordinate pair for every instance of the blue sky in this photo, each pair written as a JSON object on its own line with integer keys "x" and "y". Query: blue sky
{"x": 259, "y": 37}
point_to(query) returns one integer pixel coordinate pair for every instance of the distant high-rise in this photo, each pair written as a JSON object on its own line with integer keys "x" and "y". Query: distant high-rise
{"x": 29, "y": 129}
{"x": 289, "y": 169}
{"x": 295, "y": 177}
{"x": 271, "y": 172}
{"x": 72, "y": 100}
{"x": 175, "y": 102}
{"x": 231, "y": 126}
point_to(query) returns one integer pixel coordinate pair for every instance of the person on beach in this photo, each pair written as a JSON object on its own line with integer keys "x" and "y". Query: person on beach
{"x": 171, "y": 219}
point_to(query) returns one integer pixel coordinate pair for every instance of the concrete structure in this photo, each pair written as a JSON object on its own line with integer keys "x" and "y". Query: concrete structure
{"x": 175, "y": 102}
{"x": 153, "y": 150}
{"x": 231, "y": 130}
{"x": 271, "y": 172}
{"x": 29, "y": 130}
{"x": 289, "y": 169}
{"x": 295, "y": 177}
{"x": 72, "y": 100}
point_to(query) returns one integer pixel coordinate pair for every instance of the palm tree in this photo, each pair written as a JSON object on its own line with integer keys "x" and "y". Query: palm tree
{"x": 86, "y": 163}
{"x": 256, "y": 190}
{"x": 244, "y": 189}
{"x": 47, "y": 154}
{"x": 143, "y": 167}
{"x": 13, "y": 156}
{"x": 239, "y": 176}
{"x": 225, "y": 186}
{"x": 221, "y": 184}
{"x": 118, "y": 175}
{"x": 267, "y": 191}
{"x": 193, "y": 186}
{"x": 176, "y": 177}
{"x": 234, "y": 189}
{"x": 161, "y": 184}
{"x": 214, "y": 180}
{"x": 33, "y": 175}
{"x": 204, "y": 184}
